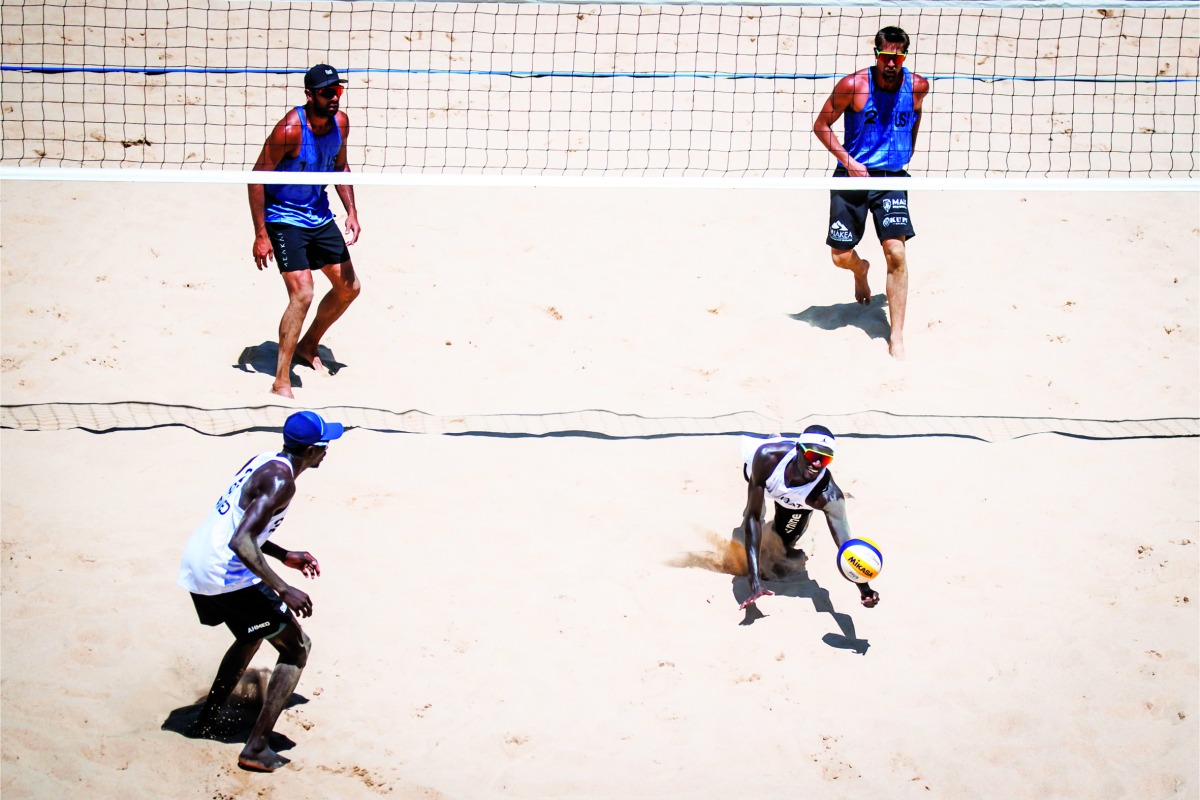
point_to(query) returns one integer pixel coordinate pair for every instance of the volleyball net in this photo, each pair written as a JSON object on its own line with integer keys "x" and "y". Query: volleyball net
{"x": 612, "y": 90}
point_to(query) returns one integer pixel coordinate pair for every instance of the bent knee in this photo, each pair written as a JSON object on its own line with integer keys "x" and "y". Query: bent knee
{"x": 346, "y": 286}
{"x": 842, "y": 258}
{"x": 296, "y": 651}
{"x": 301, "y": 295}
{"x": 299, "y": 655}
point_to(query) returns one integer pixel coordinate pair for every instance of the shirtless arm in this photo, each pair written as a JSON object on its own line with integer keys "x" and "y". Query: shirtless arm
{"x": 842, "y": 98}
{"x": 284, "y": 140}
{"x": 346, "y": 191}
{"x": 833, "y": 503}
{"x": 765, "y": 460}
{"x": 268, "y": 491}
{"x": 752, "y": 536}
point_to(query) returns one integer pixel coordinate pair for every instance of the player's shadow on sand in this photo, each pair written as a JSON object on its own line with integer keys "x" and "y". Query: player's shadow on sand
{"x": 872, "y": 319}
{"x": 264, "y": 357}
{"x": 798, "y": 584}
{"x": 789, "y": 578}
{"x": 238, "y": 715}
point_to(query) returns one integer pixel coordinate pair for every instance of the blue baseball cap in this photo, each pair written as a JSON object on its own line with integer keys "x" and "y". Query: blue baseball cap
{"x": 306, "y": 428}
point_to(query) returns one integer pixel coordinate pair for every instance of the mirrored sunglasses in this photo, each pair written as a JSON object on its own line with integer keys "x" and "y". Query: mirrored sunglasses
{"x": 330, "y": 92}
{"x": 886, "y": 56}
{"x": 816, "y": 455}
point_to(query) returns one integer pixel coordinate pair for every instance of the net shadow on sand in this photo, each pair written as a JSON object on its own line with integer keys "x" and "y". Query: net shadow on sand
{"x": 586, "y": 423}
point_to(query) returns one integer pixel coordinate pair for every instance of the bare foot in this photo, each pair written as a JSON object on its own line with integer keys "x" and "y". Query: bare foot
{"x": 265, "y": 760}
{"x": 283, "y": 390}
{"x": 308, "y": 358}
{"x": 862, "y": 292}
{"x": 896, "y": 348}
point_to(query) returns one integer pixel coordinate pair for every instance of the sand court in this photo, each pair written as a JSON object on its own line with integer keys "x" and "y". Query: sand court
{"x": 546, "y": 604}
{"x": 515, "y": 616}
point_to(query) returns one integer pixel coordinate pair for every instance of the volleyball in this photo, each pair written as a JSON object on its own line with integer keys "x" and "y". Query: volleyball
{"x": 859, "y": 560}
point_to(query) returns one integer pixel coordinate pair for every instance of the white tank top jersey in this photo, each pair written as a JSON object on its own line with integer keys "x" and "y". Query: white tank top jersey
{"x": 793, "y": 497}
{"x": 209, "y": 564}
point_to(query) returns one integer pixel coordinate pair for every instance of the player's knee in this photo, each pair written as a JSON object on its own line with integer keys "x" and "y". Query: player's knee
{"x": 347, "y": 286}
{"x": 893, "y": 251}
{"x": 299, "y": 654}
{"x": 842, "y": 258}
{"x": 294, "y": 649}
{"x": 301, "y": 295}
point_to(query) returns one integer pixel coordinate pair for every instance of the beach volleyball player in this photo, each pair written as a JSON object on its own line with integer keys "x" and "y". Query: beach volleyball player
{"x": 882, "y": 107}
{"x": 794, "y": 473}
{"x": 294, "y": 225}
{"x": 224, "y": 566}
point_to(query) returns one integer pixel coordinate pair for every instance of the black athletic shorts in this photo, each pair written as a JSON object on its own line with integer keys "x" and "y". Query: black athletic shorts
{"x": 790, "y": 523}
{"x": 299, "y": 248}
{"x": 255, "y": 612}
{"x": 848, "y": 213}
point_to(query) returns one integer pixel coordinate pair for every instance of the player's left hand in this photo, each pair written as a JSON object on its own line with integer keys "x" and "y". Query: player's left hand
{"x": 303, "y": 561}
{"x": 870, "y": 598}
{"x": 352, "y": 229}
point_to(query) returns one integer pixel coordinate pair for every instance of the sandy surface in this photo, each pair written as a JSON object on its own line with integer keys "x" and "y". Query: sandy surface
{"x": 553, "y": 617}
{"x": 558, "y": 617}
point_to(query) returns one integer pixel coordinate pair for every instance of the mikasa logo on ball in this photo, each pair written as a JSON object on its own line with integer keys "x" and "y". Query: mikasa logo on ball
{"x": 859, "y": 560}
{"x": 860, "y": 565}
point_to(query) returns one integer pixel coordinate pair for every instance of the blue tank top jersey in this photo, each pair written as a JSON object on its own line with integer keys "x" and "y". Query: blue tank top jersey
{"x": 880, "y": 136}
{"x": 304, "y": 205}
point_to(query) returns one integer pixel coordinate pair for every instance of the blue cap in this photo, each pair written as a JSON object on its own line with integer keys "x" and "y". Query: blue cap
{"x": 307, "y": 428}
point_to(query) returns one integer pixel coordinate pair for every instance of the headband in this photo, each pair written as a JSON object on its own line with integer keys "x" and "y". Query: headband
{"x": 812, "y": 437}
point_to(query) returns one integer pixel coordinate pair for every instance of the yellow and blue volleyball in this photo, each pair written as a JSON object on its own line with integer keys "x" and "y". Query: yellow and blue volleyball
{"x": 859, "y": 560}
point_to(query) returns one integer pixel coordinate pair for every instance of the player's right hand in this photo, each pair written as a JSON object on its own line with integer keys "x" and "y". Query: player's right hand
{"x": 856, "y": 169}
{"x": 263, "y": 252}
{"x": 755, "y": 593}
{"x": 299, "y": 602}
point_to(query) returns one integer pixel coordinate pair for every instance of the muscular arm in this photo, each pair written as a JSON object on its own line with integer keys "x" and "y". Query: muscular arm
{"x": 268, "y": 491}
{"x": 832, "y": 502}
{"x": 346, "y": 191}
{"x": 761, "y": 466}
{"x": 842, "y": 98}
{"x": 283, "y": 141}
{"x": 752, "y": 537}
